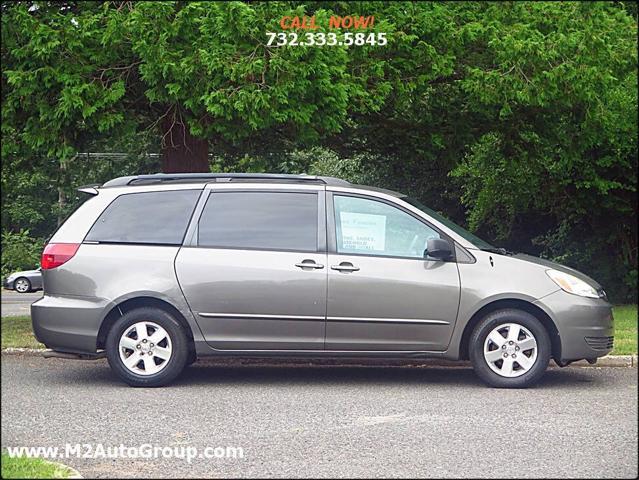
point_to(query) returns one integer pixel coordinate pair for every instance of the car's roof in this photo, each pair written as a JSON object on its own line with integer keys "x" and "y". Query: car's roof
{"x": 163, "y": 178}
{"x": 377, "y": 189}
{"x": 204, "y": 178}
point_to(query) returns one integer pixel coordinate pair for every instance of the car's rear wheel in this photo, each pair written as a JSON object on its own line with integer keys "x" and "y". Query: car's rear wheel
{"x": 22, "y": 285}
{"x": 510, "y": 349}
{"x": 147, "y": 347}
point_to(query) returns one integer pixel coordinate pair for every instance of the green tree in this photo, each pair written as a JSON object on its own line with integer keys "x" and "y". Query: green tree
{"x": 197, "y": 73}
{"x": 557, "y": 88}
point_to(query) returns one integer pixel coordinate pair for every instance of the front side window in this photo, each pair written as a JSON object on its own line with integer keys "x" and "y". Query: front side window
{"x": 260, "y": 220}
{"x": 370, "y": 227}
{"x": 146, "y": 217}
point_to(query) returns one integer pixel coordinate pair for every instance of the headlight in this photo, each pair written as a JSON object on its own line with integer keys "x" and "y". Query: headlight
{"x": 572, "y": 284}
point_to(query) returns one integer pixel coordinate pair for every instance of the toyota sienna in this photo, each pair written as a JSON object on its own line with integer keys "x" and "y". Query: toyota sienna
{"x": 155, "y": 271}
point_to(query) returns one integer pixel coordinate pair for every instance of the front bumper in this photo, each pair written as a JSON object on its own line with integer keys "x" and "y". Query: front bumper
{"x": 7, "y": 284}
{"x": 68, "y": 324}
{"x": 585, "y": 325}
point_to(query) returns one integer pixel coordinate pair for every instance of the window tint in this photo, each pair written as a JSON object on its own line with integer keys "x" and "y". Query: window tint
{"x": 260, "y": 220}
{"x": 375, "y": 228}
{"x": 149, "y": 217}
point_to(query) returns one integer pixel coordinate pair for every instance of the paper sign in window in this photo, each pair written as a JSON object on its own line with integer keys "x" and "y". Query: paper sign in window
{"x": 363, "y": 231}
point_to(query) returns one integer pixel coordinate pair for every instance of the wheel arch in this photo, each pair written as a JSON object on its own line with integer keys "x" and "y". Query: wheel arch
{"x": 518, "y": 304}
{"x": 138, "y": 302}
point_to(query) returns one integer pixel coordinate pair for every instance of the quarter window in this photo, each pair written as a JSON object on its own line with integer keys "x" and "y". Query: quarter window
{"x": 146, "y": 217}
{"x": 370, "y": 227}
{"x": 260, "y": 220}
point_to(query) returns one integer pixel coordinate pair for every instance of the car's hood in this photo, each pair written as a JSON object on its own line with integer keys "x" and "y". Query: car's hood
{"x": 557, "y": 266}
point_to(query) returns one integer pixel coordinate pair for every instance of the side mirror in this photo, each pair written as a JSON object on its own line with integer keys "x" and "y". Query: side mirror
{"x": 438, "y": 248}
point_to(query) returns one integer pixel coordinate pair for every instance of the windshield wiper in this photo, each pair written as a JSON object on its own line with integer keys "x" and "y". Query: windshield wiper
{"x": 500, "y": 251}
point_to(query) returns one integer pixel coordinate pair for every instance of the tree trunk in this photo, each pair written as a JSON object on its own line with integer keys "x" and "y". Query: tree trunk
{"x": 181, "y": 151}
{"x": 62, "y": 198}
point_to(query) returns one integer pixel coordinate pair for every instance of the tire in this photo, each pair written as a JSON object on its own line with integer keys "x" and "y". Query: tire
{"x": 22, "y": 285}
{"x": 158, "y": 364}
{"x": 496, "y": 360}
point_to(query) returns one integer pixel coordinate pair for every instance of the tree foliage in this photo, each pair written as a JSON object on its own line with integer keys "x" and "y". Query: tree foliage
{"x": 517, "y": 117}
{"x": 19, "y": 251}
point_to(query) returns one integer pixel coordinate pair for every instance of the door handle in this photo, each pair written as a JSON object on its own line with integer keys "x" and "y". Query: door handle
{"x": 345, "y": 267}
{"x": 309, "y": 264}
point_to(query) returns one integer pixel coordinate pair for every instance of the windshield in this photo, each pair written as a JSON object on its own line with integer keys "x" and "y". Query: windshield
{"x": 474, "y": 239}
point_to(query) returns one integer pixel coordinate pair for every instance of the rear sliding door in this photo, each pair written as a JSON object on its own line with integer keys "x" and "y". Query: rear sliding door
{"x": 254, "y": 268}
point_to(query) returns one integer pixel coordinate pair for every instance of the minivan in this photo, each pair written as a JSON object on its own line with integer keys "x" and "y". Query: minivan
{"x": 156, "y": 271}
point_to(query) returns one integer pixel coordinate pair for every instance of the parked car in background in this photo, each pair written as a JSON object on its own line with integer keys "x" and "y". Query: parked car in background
{"x": 23, "y": 282}
{"x": 157, "y": 270}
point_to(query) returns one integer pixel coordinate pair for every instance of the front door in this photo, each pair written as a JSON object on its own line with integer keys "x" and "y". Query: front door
{"x": 383, "y": 294}
{"x": 254, "y": 273}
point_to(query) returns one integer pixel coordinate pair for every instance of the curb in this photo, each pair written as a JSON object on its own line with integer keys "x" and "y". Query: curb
{"x": 611, "y": 361}
{"x": 22, "y": 351}
{"x": 607, "y": 361}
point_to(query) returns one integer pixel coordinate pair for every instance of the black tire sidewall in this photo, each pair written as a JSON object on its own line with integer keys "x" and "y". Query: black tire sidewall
{"x": 486, "y": 325}
{"x": 179, "y": 342}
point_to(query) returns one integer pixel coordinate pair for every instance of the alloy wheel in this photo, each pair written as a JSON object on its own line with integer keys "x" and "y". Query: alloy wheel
{"x": 510, "y": 350}
{"x": 145, "y": 348}
{"x": 22, "y": 285}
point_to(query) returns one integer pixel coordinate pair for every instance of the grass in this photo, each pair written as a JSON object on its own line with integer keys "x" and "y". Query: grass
{"x": 16, "y": 331}
{"x": 625, "y": 329}
{"x": 23, "y": 467}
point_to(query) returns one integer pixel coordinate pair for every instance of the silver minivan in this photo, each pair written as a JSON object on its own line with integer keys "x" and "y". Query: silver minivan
{"x": 154, "y": 271}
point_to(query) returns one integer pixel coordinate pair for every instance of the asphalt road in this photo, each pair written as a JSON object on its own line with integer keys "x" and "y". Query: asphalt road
{"x": 14, "y": 303}
{"x": 319, "y": 421}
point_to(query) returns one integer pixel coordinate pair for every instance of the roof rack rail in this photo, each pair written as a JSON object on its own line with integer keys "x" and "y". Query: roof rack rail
{"x": 224, "y": 177}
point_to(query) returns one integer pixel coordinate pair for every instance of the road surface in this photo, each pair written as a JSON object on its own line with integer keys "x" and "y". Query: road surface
{"x": 14, "y": 303}
{"x": 322, "y": 421}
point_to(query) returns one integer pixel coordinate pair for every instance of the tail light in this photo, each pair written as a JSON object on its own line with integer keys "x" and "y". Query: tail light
{"x": 56, "y": 254}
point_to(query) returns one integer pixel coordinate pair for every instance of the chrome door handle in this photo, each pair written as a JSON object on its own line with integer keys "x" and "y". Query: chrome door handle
{"x": 345, "y": 267}
{"x": 309, "y": 265}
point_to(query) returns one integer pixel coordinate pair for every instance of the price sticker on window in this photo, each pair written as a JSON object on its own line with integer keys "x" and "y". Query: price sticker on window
{"x": 363, "y": 231}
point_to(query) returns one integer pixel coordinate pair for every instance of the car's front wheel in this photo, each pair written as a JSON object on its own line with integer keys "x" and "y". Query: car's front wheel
{"x": 510, "y": 349}
{"x": 22, "y": 285}
{"x": 147, "y": 347}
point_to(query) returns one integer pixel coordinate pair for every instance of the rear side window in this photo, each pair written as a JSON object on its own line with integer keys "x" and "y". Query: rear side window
{"x": 148, "y": 217}
{"x": 260, "y": 220}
